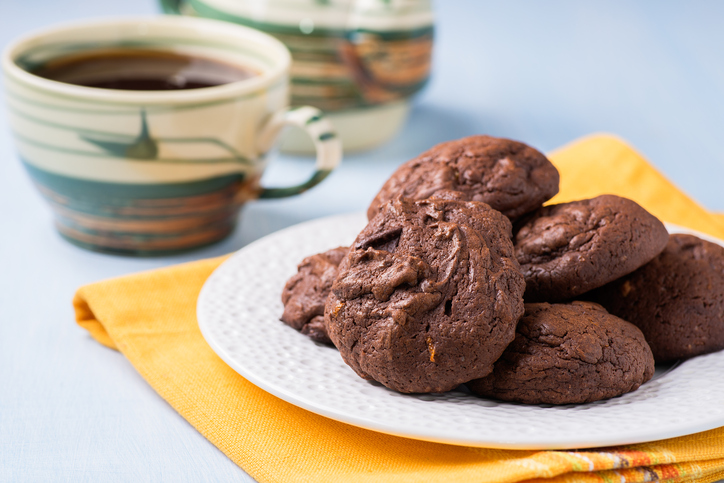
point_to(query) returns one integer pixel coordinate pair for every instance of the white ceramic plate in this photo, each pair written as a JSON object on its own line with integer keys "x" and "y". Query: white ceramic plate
{"x": 238, "y": 313}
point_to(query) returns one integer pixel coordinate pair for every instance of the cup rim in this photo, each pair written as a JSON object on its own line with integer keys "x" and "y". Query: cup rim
{"x": 184, "y": 96}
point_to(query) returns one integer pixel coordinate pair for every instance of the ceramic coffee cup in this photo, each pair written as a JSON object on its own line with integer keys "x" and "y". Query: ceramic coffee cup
{"x": 149, "y": 172}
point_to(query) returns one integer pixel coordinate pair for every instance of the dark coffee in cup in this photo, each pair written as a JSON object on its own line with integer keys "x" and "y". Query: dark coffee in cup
{"x": 141, "y": 70}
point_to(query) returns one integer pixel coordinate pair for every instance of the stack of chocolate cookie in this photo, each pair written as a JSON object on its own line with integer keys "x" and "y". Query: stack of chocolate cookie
{"x": 431, "y": 293}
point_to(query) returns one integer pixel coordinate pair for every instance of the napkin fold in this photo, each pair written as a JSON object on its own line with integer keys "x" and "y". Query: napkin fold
{"x": 151, "y": 318}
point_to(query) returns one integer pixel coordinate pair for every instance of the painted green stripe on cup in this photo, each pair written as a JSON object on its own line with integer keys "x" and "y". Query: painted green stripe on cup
{"x": 125, "y": 193}
{"x": 413, "y": 34}
{"x": 316, "y": 81}
{"x": 308, "y": 53}
{"x": 175, "y": 6}
{"x": 121, "y": 158}
{"x": 204, "y": 10}
{"x": 127, "y": 141}
{"x": 313, "y": 119}
{"x": 207, "y": 11}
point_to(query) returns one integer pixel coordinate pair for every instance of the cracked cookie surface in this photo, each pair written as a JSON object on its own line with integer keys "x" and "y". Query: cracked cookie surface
{"x": 677, "y": 299}
{"x": 568, "y": 249}
{"x": 510, "y": 176}
{"x": 567, "y": 354}
{"x": 305, "y": 293}
{"x": 428, "y": 296}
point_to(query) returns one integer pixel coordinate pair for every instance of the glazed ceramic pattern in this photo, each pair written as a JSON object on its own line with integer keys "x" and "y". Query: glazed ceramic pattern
{"x": 159, "y": 142}
{"x": 347, "y": 54}
{"x": 239, "y": 309}
{"x": 148, "y": 172}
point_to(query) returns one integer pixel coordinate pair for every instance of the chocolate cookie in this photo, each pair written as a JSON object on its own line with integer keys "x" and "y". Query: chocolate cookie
{"x": 511, "y": 177}
{"x": 566, "y": 354}
{"x": 305, "y": 293}
{"x": 568, "y": 249}
{"x": 428, "y": 296}
{"x": 677, "y": 299}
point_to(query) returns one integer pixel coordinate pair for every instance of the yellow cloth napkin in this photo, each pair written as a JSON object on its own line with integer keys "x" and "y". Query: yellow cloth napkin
{"x": 150, "y": 318}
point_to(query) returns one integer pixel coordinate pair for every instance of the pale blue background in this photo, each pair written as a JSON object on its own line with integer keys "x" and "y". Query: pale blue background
{"x": 542, "y": 72}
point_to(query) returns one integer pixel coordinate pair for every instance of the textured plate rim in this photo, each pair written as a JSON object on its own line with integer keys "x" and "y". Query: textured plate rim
{"x": 530, "y": 443}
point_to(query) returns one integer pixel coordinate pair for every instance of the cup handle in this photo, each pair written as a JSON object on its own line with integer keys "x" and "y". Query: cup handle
{"x": 326, "y": 142}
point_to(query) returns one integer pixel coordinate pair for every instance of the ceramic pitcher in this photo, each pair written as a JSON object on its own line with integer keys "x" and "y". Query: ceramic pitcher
{"x": 360, "y": 61}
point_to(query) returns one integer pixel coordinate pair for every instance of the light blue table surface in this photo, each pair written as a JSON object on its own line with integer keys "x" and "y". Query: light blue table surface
{"x": 541, "y": 72}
